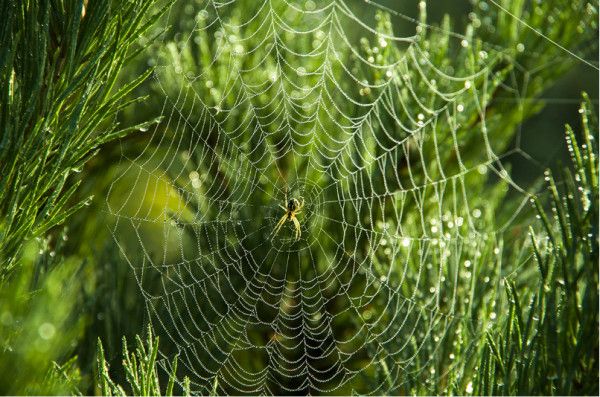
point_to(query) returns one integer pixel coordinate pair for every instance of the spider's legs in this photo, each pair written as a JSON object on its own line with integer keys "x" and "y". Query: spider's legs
{"x": 297, "y": 226}
{"x": 279, "y": 224}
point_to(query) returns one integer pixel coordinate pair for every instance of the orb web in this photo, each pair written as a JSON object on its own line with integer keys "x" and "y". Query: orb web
{"x": 380, "y": 134}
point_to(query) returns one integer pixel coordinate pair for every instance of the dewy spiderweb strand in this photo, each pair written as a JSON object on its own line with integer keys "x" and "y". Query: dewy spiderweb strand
{"x": 308, "y": 99}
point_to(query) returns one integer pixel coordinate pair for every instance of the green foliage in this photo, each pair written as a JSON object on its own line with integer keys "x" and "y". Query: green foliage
{"x": 548, "y": 341}
{"x": 141, "y": 369}
{"x": 64, "y": 378}
{"x": 58, "y": 102}
{"x": 40, "y": 322}
{"x": 60, "y": 95}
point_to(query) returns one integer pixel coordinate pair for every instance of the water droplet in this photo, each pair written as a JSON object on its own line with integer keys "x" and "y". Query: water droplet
{"x": 469, "y": 388}
{"x": 46, "y": 331}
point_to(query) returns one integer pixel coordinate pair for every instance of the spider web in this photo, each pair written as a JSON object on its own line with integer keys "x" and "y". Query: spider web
{"x": 376, "y": 132}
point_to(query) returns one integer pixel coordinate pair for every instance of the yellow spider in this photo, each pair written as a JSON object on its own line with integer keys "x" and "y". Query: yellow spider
{"x": 294, "y": 207}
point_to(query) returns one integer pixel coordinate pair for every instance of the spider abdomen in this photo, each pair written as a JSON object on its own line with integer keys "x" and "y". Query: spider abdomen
{"x": 292, "y": 205}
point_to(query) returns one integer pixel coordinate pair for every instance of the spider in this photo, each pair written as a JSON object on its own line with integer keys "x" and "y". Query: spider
{"x": 294, "y": 207}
